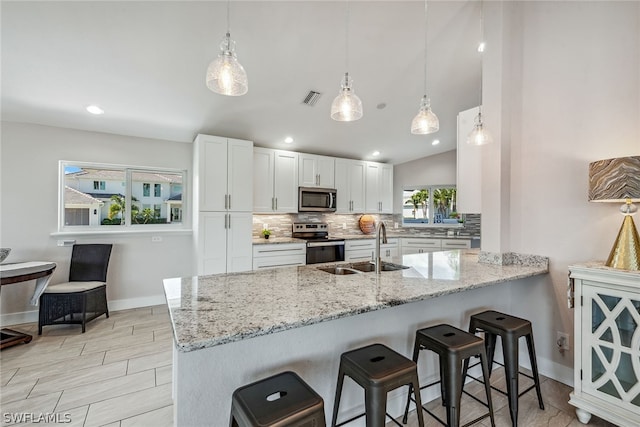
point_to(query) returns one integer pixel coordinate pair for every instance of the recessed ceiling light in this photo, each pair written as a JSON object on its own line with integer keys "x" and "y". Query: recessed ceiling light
{"x": 375, "y": 153}
{"x": 435, "y": 142}
{"x": 288, "y": 140}
{"x": 94, "y": 109}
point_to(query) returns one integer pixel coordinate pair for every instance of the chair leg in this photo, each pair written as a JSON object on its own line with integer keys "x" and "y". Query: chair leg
{"x": 416, "y": 354}
{"x": 534, "y": 368}
{"x": 487, "y": 386}
{"x": 336, "y": 403}
{"x": 416, "y": 392}
{"x": 453, "y": 390}
{"x": 490, "y": 346}
{"x": 510, "y": 346}
{"x": 84, "y": 312}
{"x": 375, "y": 401}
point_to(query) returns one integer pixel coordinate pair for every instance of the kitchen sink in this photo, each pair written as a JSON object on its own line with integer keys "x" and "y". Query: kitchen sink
{"x": 369, "y": 266}
{"x": 339, "y": 270}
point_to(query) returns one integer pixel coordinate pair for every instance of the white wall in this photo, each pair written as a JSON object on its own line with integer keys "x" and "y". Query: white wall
{"x": 29, "y": 183}
{"x": 432, "y": 170}
{"x": 562, "y": 90}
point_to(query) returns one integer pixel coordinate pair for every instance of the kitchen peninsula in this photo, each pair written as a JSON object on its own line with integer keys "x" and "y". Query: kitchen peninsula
{"x": 232, "y": 329}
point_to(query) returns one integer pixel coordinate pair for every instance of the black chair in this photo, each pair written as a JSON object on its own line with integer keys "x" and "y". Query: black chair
{"x": 84, "y": 296}
{"x": 281, "y": 400}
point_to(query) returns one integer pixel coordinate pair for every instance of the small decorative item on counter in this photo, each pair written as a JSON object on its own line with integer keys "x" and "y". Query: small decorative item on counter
{"x": 367, "y": 224}
{"x": 266, "y": 233}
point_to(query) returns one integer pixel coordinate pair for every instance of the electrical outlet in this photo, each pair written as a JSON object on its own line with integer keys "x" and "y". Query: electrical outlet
{"x": 344, "y": 225}
{"x": 156, "y": 238}
{"x": 562, "y": 341}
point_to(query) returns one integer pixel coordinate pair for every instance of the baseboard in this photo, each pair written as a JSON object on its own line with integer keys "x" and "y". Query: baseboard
{"x": 114, "y": 305}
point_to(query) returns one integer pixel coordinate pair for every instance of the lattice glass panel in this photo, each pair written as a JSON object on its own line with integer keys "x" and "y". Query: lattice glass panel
{"x": 614, "y": 345}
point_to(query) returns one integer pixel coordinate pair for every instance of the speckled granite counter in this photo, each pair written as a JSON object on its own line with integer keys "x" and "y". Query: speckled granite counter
{"x": 233, "y": 329}
{"x": 212, "y": 310}
{"x": 276, "y": 240}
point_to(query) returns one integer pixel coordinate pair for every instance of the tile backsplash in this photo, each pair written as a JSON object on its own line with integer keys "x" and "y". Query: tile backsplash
{"x": 346, "y": 225}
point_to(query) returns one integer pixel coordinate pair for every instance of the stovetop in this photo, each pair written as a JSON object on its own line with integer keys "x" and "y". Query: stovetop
{"x": 313, "y": 232}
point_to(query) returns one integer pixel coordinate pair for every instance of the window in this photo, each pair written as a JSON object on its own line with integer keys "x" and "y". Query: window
{"x": 430, "y": 206}
{"x": 87, "y": 200}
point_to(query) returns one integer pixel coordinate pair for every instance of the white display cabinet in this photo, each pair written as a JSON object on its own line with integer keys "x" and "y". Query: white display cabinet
{"x": 607, "y": 343}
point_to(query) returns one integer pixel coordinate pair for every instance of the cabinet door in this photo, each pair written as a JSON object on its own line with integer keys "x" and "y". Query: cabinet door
{"x": 372, "y": 190}
{"x": 212, "y": 243}
{"x": 285, "y": 183}
{"x": 386, "y": 188}
{"x": 240, "y": 177}
{"x": 263, "y": 173}
{"x": 469, "y": 166}
{"x": 342, "y": 183}
{"x": 239, "y": 242}
{"x": 610, "y": 358}
{"x": 211, "y": 179}
{"x": 357, "y": 174}
{"x": 326, "y": 171}
{"x": 307, "y": 170}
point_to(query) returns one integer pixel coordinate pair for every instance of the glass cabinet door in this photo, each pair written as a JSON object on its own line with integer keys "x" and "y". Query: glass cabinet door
{"x": 611, "y": 345}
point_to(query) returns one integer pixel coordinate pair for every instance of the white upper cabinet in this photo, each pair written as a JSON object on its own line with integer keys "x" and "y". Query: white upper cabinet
{"x": 275, "y": 178}
{"x": 469, "y": 166}
{"x": 350, "y": 185}
{"x": 379, "y": 188}
{"x": 316, "y": 171}
{"x": 220, "y": 178}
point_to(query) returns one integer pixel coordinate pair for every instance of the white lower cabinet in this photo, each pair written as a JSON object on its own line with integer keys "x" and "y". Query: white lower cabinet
{"x": 419, "y": 245}
{"x": 365, "y": 249}
{"x": 224, "y": 242}
{"x": 607, "y": 344}
{"x": 447, "y": 244}
{"x": 279, "y": 255}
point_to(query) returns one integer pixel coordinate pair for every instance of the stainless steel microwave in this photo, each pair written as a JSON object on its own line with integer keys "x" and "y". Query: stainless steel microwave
{"x": 312, "y": 199}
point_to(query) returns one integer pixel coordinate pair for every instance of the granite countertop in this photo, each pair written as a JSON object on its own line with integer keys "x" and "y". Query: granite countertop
{"x": 276, "y": 240}
{"x": 211, "y": 310}
{"x": 390, "y": 235}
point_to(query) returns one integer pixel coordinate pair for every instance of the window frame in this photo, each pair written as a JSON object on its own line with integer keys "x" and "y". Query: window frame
{"x": 430, "y": 208}
{"x": 127, "y": 227}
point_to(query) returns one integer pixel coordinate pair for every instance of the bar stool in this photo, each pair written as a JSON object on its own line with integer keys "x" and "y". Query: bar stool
{"x": 281, "y": 400}
{"x": 509, "y": 329}
{"x": 453, "y": 346}
{"x": 378, "y": 370}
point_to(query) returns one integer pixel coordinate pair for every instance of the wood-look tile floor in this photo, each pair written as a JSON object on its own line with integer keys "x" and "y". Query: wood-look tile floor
{"x": 118, "y": 374}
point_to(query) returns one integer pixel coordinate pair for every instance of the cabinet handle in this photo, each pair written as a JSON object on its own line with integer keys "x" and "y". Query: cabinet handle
{"x": 229, "y": 201}
{"x": 225, "y": 201}
{"x": 229, "y": 221}
{"x": 276, "y": 203}
{"x": 225, "y": 221}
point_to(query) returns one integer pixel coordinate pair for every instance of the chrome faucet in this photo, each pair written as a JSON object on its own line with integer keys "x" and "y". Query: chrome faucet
{"x": 379, "y": 226}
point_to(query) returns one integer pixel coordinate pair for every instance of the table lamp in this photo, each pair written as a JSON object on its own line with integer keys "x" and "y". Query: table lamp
{"x": 618, "y": 180}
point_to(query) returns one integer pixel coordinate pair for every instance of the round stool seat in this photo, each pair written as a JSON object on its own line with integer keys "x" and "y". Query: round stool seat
{"x": 283, "y": 399}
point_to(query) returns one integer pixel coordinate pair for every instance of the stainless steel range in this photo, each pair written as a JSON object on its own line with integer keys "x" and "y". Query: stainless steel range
{"x": 320, "y": 247}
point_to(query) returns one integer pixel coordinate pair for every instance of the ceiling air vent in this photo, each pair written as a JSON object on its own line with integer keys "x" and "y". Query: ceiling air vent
{"x": 311, "y": 98}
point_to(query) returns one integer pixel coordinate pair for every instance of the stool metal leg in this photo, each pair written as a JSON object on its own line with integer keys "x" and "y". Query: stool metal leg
{"x": 336, "y": 403}
{"x": 416, "y": 354}
{"x": 375, "y": 401}
{"x": 453, "y": 390}
{"x": 490, "y": 346}
{"x": 487, "y": 386}
{"x": 534, "y": 367}
{"x": 510, "y": 345}
{"x": 416, "y": 391}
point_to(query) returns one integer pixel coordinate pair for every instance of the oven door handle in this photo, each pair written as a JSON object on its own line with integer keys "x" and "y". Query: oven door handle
{"x": 319, "y": 244}
{"x": 331, "y": 201}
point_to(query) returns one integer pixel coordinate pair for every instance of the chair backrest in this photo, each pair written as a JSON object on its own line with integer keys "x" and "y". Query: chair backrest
{"x": 89, "y": 263}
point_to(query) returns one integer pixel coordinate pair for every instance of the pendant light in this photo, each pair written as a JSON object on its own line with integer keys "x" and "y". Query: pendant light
{"x": 479, "y": 135}
{"x": 425, "y": 121}
{"x": 225, "y": 75}
{"x": 346, "y": 107}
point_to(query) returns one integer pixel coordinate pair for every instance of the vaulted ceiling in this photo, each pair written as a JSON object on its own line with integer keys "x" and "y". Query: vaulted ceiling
{"x": 144, "y": 63}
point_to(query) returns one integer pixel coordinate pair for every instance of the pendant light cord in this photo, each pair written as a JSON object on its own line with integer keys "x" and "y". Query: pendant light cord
{"x": 425, "y": 47}
{"x": 481, "y": 53}
{"x": 228, "y": 17}
{"x": 346, "y": 37}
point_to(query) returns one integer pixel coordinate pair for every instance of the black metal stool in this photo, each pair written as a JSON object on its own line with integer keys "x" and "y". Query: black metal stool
{"x": 509, "y": 329}
{"x": 453, "y": 346}
{"x": 378, "y": 370}
{"x": 281, "y": 400}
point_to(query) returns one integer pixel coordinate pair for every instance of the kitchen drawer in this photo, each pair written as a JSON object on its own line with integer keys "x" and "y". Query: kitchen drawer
{"x": 279, "y": 255}
{"x": 359, "y": 254}
{"x": 278, "y": 261}
{"x": 359, "y": 244}
{"x": 421, "y": 243}
{"x": 456, "y": 244}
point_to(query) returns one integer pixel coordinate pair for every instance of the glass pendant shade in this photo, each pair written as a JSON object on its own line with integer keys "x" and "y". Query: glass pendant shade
{"x": 346, "y": 107}
{"x": 225, "y": 75}
{"x": 479, "y": 135}
{"x": 425, "y": 121}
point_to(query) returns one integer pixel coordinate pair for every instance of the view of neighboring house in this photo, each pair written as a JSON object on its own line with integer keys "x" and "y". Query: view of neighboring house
{"x": 97, "y": 197}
